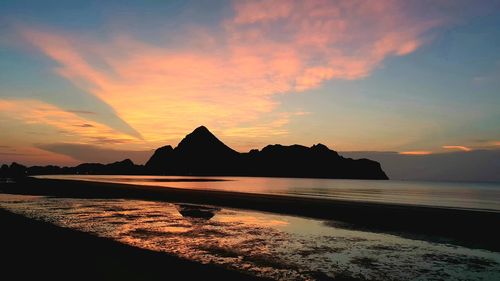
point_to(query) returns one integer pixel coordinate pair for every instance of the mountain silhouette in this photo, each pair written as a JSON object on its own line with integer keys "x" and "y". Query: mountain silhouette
{"x": 120, "y": 167}
{"x": 202, "y": 142}
{"x": 202, "y": 153}
{"x": 125, "y": 167}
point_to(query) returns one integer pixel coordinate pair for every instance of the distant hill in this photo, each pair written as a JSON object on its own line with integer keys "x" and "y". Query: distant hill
{"x": 125, "y": 167}
{"x": 202, "y": 153}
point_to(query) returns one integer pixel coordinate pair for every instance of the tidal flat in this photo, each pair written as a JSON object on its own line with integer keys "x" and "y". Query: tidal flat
{"x": 263, "y": 244}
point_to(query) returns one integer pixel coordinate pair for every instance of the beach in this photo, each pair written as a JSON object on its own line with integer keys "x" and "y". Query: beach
{"x": 95, "y": 230}
{"x": 38, "y": 250}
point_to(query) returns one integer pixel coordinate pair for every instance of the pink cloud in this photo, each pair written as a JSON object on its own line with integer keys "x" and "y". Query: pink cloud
{"x": 260, "y": 11}
{"x": 458, "y": 147}
{"x": 330, "y": 39}
{"x": 416, "y": 152}
{"x": 228, "y": 79}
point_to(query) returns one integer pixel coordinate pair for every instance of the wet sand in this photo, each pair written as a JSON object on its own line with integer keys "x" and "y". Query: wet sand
{"x": 263, "y": 244}
{"x": 37, "y": 250}
{"x": 471, "y": 228}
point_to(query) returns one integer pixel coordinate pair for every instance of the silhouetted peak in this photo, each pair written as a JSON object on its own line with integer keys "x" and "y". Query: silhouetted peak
{"x": 201, "y": 130}
{"x": 200, "y": 133}
{"x": 165, "y": 148}
{"x": 320, "y": 147}
{"x": 202, "y": 139}
{"x": 324, "y": 150}
{"x": 272, "y": 147}
{"x": 15, "y": 165}
{"x": 161, "y": 153}
{"x": 279, "y": 147}
{"x": 126, "y": 162}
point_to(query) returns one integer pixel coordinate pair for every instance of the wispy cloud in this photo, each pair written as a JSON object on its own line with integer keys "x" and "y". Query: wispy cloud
{"x": 489, "y": 77}
{"x": 80, "y": 111}
{"x": 416, "y": 152}
{"x": 51, "y": 119}
{"x": 107, "y": 140}
{"x": 85, "y": 125}
{"x": 459, "y": 147}
{"x": 264, "y": 49}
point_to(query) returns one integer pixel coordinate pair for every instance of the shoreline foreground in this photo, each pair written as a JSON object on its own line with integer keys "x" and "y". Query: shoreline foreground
{"x": 465, "y": 227}
{"x": 38, "y": 250}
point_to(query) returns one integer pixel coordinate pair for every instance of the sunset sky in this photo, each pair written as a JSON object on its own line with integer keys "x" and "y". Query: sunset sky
{"x": 124, "y": 77}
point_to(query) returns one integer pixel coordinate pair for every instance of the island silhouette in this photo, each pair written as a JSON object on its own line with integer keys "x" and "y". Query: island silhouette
{"x": 201, "y": 153}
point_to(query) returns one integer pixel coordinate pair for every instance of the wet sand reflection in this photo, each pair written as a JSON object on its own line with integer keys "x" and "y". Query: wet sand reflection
{"x": 276, "y": 246}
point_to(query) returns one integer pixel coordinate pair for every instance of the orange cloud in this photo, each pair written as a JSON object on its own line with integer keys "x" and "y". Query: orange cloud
{"x": 42, "y": 119}
{"x": 229, "y": 83}
{"x": 416, "y": 152}
{"x": 459, "y": 147}
{"x": 29, "y": 155}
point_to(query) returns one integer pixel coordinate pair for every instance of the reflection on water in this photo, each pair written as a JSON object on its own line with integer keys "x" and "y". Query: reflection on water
{"x": 444, "y": 194}
{"x": 196, "y": 211}
{"x": 281, "y": 247}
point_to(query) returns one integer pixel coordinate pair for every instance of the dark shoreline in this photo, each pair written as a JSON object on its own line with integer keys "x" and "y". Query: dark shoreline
{"x": 35, "y": 250}
{"x": 471, "y": 228}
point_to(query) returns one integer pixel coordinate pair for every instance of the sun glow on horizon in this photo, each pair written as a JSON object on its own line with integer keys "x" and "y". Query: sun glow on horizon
{"x": 416, "y": 152}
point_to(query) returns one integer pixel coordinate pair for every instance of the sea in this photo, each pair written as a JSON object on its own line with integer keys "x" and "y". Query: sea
{"x": 467, "y": 195}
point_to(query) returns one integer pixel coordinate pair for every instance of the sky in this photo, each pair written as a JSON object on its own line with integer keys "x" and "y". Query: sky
{"x": 84, "y": 81}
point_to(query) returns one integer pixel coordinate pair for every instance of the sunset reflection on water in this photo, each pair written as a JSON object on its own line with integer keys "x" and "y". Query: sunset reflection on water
{"x": 276, "y": 246}
{"x": 443, "y": 194}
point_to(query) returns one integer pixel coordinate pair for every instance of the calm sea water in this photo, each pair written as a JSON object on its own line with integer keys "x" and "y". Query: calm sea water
{"x": 269, "y": 245}
{"x": 443, "y": 194}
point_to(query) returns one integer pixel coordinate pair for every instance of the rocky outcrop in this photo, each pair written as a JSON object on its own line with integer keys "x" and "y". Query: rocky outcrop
{"x": 202, "y": 153}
